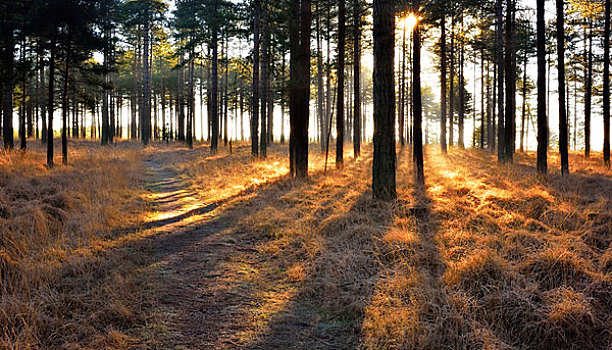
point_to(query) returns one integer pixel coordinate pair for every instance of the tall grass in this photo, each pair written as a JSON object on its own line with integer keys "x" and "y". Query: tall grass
{"x": 55, "y": 228}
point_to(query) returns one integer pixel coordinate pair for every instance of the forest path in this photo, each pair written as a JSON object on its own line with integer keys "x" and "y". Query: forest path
{"x": 192, "y": 247}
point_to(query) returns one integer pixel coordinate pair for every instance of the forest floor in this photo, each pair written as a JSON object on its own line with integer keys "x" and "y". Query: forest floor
{"x": 219, "y": 251}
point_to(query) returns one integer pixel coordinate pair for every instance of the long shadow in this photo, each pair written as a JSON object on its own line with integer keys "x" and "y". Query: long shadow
{"x": 329, "y": 308}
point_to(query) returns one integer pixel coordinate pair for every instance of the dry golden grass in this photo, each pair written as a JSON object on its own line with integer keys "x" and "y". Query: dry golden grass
{"x": 488, "y": 256}
{"x": 512, "y": 260}
{"x": 61, "y": 288}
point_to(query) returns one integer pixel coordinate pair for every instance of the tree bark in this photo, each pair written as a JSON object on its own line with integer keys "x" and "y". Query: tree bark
{"x": 419, "y": 177}
{"x": 510, "y": 76}
{"x": 51, "y": 99}
{"x": 461, "y": 141}
{"x": 588, "y": 94}
{"x": 383, "y": 165}
{"x": 443, "y": 83}
{"x": 563, "y": 140}
{"x": 265, "y": 82}
{"x": 214, "y": 96}
{"x": 606, "y": 85}
{"x": 340, "y": 77}
{"x": 501, "y": 153}
{"x": 357, "y": 79}
{"x": 65, "y": 99}
{"x": 451, "y": 121}
{"x": 256, "y": 81}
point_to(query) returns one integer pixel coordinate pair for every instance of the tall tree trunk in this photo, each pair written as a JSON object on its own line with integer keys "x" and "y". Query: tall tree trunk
{"x": 402, "y": 92}
{"x": 340, "y": 74}
{"x": 419, "y": 177}
{"x": 43, "y": 101}
{"x": 563, "y": 140}
{"x": 300, "y": 86}
{"x": 606, "y": 85}
{"x": 146, "y": 103}
{"x": 302, "y": 117}
{"x": 214, "y": 98}
{"x": 133, "y": 97}
{"x": 265, "y": 83}
{"x": 226, "y": 93}
{"x": 451, "y": 121}
{"x": 65, "y": 98}
{"x": 588, "y": 93}
{"x": 256, "y": 82}
{"x": 510, "y": 76}
{"x": 320, "y": 88}
{"x": 443, "y": 92}
{"x": 461, "y": 141}
{"x": 105, "y": 95}
{"x": 490, "y": 107}
{"x": 24, "y": 93}
{"x": 357, "y": 79}
{"x": 523, "y": 111}
{"x": 282, "y": 98}
{"x": 51, "y": 99}
{"x": 191, "y": 101}
{"x": 482, "y": 100}
{"x": 501, "y": 153}
{"x": 383, "y": 165}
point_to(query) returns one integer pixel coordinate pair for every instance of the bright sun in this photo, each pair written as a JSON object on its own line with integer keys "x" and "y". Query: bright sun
{"x": 408, "y": 22}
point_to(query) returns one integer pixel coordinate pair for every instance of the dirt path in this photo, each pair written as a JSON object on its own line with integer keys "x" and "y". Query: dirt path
{"x": 262, "y": 269}
{"x": 200, "y": 306}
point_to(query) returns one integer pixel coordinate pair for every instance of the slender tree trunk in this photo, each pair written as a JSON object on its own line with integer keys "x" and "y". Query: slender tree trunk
{"x": 43, "y": 101}
{"x": 105, "y": 87}
{"x": 563, "y": 140}
{"x": 214, "y": 98}
{"x": 383, "y": 166}
{"x": 588, "y": 93}
{"x": 265, "y": 83}
{"x": 22, "y": 110}
{"x": 606, "y": 85}
{"x": 490, "y": 107}
{"x": 226, "y": 94}
{"x": 523, "y": 111}
{"x": 191, "y": 102}
{"x": 510, "y": 75}
{"x": 282, "y": 98}
{"x": 65, "y": 99}
{"x": 501, "y": 152}
{"x": 51, "y": 99}
{"x": 340, "y": 74}
{"x": 461, "y": 141}
{"x": 357, "y": 79}
{"x": 402, "y": 92}
{"x": 419, "y": 177}
{"x": 256, "y": 82}
{"x": 443, "y": 92}
{"x": 146, "y": 113}
{"x": 320, "y": 88}
{"x": 451, "y": 126}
